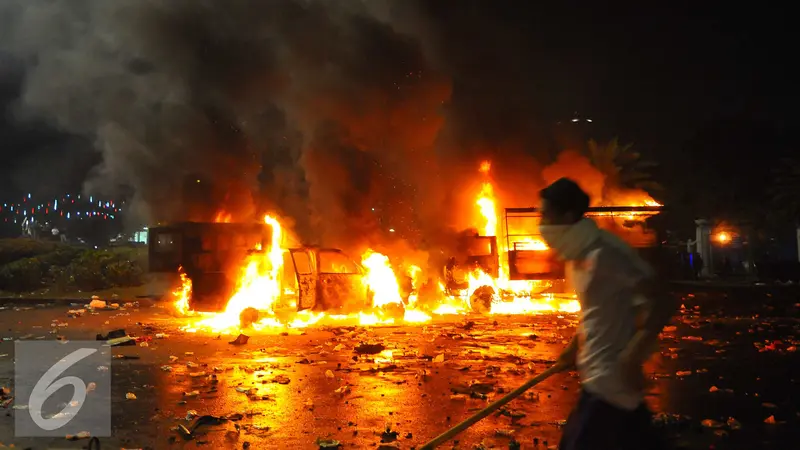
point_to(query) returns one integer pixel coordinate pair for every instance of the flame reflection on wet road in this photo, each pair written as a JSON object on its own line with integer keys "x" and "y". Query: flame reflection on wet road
{"x": 294, "y": 387}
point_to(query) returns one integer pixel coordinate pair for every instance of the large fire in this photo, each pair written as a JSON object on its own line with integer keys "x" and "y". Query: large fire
{"x": 259, "y": 288}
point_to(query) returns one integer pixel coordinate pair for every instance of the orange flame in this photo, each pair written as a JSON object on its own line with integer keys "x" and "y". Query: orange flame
{"x": 223, "y": 217}
{"x": 258, "y": 287}
{"x": 183, "y": 293}
{"x": 380, "y": 279}
{"x": 260, "y": 283}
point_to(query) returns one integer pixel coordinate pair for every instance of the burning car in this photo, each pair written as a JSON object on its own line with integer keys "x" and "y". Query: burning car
{"x": 212, "y": 255}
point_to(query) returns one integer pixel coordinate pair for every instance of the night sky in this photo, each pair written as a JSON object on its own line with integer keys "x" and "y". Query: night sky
{"x": 689, "y": 86}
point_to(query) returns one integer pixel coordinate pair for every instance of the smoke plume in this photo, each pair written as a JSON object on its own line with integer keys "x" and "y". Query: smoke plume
{"x": 321, "y": 110}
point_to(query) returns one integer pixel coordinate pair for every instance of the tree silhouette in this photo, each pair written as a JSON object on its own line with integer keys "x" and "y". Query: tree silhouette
{"x": 622, "y": 167}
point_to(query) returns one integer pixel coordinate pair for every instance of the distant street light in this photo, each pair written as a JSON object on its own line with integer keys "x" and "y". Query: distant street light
{"x": 723, "y": 237}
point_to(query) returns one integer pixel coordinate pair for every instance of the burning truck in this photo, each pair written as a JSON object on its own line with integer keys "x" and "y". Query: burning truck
{"x": 505, "y": 267}
{"x": 521, "y": 264}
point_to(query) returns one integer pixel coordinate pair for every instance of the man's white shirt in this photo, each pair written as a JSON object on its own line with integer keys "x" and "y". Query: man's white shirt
{"x": 604, "y": 282}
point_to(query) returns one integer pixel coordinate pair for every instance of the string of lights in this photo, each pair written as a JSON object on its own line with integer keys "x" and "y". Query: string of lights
{"x": 66, "y": 207}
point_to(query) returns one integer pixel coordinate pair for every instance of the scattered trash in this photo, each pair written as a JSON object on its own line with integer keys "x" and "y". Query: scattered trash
{"x": 281, "y": 379}
{"x": 327, "y": 444}
{"x": 369, "y": 348}
{"x": 240, "y": 340}
{"x": 117, "y": 338}
{"x": 188, "y": 432}
{"x": 96, "y": 303}
{"x": 76, "y": 313}
{"x": 733, "y": 424}
{"x": 81, "y": 435}
{"x": 388, "y": 434}
{"x": 710, "y": 423}
{"x": 504, "y": 433}
{"x": 342, "y": 390}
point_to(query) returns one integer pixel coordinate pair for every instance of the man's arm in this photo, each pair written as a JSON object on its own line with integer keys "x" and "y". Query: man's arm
{"x": 657, "y": 311}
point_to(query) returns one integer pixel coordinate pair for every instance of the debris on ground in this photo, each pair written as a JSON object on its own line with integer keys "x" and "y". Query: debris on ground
{"x": 388, "y": 435}
{"x": 327, "y": 444}
{"x": 240, "y": 340}
{"x": 188, "y": 431}
{"x": 81, "y": 435}
{"x": 96, "y": 303}
{"x": 281, "y": 379}
{"x": 369, "y": 348}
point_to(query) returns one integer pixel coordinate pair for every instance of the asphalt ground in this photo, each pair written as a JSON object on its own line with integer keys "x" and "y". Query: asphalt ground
{"x": 724, "y": 378}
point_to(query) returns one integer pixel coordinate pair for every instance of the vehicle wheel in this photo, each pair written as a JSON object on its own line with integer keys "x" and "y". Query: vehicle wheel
{"x": 481, "y": 300}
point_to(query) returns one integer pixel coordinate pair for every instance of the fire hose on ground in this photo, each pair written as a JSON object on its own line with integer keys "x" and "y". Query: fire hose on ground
{"x": 453, "y": 432}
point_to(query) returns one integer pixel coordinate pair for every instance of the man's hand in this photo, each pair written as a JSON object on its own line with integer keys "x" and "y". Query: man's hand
{"x": 566, "y": 360}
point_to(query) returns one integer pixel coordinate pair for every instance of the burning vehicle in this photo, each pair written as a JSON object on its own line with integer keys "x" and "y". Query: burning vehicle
{"x": 501, "y": 266}
{"x": 526, "y": 266}
{"x": 243, "y": 275}
{"x": 211, "y": 256}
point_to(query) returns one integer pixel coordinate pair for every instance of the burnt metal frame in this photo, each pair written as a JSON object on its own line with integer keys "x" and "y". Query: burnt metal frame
{"x": 597, "y": 209}
{"x": 534, "y": 212}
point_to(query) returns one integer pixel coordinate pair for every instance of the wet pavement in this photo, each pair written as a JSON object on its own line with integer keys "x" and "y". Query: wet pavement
{"x": 726, "y": 362}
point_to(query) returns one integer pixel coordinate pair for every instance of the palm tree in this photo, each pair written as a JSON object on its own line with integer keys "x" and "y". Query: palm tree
{"x": 622, "y": 167}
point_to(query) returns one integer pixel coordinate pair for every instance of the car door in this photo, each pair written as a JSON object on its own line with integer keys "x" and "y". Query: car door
{"x": 341, "y": 282}
{"x": 307, "y": 283}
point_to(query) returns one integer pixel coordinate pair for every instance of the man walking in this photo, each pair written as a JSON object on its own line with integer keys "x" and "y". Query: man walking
{"x": 615, "y": 288}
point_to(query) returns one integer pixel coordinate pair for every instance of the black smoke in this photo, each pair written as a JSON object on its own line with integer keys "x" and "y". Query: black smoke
{"x": 308, "y": 107}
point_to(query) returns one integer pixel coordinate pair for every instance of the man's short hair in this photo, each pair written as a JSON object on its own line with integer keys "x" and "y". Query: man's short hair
{"x": 565, "y": 196}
